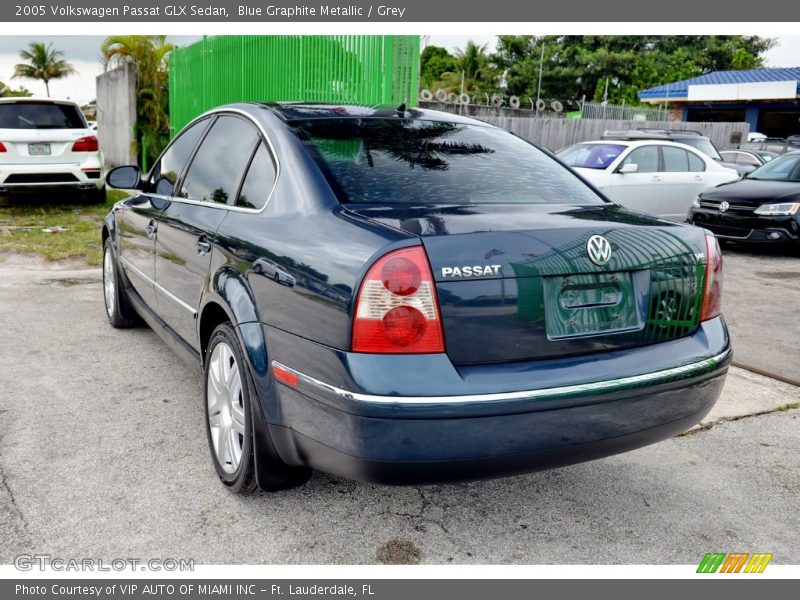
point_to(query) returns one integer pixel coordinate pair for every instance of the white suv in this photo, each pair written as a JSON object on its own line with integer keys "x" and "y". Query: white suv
{"x": 46, "y": 145}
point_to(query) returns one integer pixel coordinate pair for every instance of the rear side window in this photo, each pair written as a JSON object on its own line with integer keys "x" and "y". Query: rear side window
{"x": 168, "y": 169}
{"x": 411, "y": 161}
{"x": 259, "y": 180}
{"x": 40, "y": 115}
{"x": 676, "y": 160}
{"x": 645, "y": 157}
{"x": 220, "y": 161}
{"x": 696, "y": 164}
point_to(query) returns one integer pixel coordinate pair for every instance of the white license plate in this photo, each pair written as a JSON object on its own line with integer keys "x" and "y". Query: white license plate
{"x": 39, "y": 149}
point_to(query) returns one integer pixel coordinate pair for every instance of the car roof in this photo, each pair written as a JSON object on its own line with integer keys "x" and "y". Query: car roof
{"x": 302, "y": 111}
{"x": 636, "y": 143}
{"x": 35, "y": 99}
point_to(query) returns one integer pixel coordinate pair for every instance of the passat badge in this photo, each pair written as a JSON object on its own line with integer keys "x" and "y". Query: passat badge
{"x": 471, "y": 271}
{"x": 599, "y": 250}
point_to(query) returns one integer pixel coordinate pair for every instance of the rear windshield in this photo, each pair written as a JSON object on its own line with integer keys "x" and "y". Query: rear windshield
{"x": 40, "y": 115}
{"x": 591, "y": 156}
{"x": 403, "y": 161}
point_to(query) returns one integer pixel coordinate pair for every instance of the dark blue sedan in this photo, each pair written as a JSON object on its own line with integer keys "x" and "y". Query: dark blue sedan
{"x": 408, "y": 296}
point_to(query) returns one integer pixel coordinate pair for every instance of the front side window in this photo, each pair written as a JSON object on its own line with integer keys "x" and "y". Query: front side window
{"x": 168, "y": 168}
{"x": 645, "y": 157}
{"x": 591, "y": 156}
{"x": 220, "y": 161}
{"x": 411, "y": 161}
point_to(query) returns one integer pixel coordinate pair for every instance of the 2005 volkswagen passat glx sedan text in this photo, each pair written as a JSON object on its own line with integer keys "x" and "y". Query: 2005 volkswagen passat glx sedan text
{"x": 451, "y": 301}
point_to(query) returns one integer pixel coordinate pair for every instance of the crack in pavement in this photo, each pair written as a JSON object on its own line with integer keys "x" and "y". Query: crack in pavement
{"x": 720, "y": 421}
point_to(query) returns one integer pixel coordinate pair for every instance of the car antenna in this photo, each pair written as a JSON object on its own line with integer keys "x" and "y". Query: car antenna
{"x": 402, "y": 108}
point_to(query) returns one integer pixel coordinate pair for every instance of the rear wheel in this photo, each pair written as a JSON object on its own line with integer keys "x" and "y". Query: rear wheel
{"x": 118, "y": 309}
{"x": 229, "y": 398}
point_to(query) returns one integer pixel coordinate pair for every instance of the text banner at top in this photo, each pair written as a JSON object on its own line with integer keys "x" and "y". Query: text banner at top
{"x": 463, "y": 11}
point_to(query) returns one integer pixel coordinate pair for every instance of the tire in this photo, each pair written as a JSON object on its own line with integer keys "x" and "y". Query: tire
{"x": 119, "y": 311}
{"x": 229, "y": 399}
{"x": 277, "y": 277}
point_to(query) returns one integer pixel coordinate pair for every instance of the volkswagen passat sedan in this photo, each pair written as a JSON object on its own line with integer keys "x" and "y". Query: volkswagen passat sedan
{"x": 45, "y": 146}
{"x": 764, "y": 207}
{"x": 463, "y": 304}
{"x": 653, "y": 176}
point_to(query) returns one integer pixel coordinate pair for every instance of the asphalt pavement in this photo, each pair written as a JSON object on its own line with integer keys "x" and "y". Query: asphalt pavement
{"x": 760, "y": 302}
{"x": 103, "y": 454}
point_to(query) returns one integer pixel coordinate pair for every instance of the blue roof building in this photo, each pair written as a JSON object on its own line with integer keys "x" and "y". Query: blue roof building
{"x": 768, "y": 99}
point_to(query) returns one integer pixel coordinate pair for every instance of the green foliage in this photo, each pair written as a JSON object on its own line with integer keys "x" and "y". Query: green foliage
{"x": 43, "y": 63}
{"x": 578, "y": 66}
{"x": 7, "y": 92}
{"x": 440, "y": 69}
{"x": 149, "y": 53}
{"x": 433, "y": 62}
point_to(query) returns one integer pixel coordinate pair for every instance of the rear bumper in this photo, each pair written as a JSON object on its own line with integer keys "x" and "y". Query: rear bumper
{"x": 32, "y": 178}
{"x": 420, "y": 439}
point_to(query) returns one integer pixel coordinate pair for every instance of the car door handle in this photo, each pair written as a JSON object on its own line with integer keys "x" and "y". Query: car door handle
{"x": 203, "y": 245}
{"x": 151, "y": 229}
{"x": 656, "y": 178}
{"x": 698, "y": 178}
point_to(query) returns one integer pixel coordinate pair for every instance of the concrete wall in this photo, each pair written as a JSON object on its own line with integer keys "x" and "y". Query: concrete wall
{"x": 116, "y": 115}
{"x": 557, "y": 133}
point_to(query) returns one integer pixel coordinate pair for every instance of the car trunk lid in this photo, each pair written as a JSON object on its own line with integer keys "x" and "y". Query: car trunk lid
{"x": 516, "y": 282}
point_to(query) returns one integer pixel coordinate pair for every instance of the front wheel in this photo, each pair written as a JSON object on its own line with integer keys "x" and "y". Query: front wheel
{"x": 118, "y": 309}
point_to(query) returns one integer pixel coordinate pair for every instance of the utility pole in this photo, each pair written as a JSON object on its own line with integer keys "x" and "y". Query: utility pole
{"x": 539, "y": 88}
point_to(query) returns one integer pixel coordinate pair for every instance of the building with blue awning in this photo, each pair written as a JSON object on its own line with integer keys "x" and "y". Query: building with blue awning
{"x": 767, "y": 99}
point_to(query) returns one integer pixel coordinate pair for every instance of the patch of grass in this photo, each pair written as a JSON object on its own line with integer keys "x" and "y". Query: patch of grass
{"x": 22, "y": 220}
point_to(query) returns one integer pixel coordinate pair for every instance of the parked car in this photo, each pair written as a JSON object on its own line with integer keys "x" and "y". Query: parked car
{"x": 764, "y": 207}
{"x": 476, "y": 308}
{"x": 695, "y": 139}
{"x": 271, "y": 269}
{"x": 776, "y": 145}
{"x": 654, "y": 177}
{"x": 751, "y": 158}
{"x": 46, "y": 146}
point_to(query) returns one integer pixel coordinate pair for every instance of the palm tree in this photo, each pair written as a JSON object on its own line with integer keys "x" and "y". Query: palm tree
{"x": 150, "y": 54}
{"x": 44, "y": 64}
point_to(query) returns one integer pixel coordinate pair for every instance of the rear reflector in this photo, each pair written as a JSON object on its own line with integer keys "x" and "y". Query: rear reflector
{"x": 86, "y": 144}
{"x": 2, "y": 147}
{"x": 397, "y": 311}
{"x": 712, "y": 294}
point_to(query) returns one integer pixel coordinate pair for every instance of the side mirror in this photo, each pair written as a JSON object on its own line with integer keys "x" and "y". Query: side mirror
{"x": 629, "y": 168}
{"x": 127, "y": 177}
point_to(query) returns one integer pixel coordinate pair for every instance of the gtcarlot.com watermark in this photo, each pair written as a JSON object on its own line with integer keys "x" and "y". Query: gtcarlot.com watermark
{"x": 46, "y": 562}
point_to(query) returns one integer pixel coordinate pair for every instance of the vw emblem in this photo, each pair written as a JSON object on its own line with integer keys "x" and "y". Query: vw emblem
{"x": 723, "y": 206}
{"x": 599, "y": 250}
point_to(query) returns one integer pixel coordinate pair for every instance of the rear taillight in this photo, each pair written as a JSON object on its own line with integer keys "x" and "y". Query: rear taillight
{"x": 396, "y": 310}
{"x": 86, "y": 144}
{"x": 2, "y": 147}
{"x": 712, "y": 294}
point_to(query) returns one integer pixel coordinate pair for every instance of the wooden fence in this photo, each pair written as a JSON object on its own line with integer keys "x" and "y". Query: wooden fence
{"x": 558, "y": 132}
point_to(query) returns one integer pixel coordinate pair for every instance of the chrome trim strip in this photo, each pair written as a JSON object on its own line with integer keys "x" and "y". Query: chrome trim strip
{"x": 542, "y": 394}
{"x": 158, "y": 286}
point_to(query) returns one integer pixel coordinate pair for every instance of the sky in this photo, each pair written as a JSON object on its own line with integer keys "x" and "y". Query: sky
{"x": 84, "y": 54}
